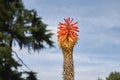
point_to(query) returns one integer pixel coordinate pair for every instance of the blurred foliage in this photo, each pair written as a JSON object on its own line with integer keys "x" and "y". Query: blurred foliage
{"x": 31, "y": 76}
{"x": 114, "y": 76}
{"x": 23, "y": 27}
{"x": 99, "y": 78}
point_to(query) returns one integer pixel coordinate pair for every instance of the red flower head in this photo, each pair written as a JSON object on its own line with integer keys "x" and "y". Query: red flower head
{"x": 67, "y": 33}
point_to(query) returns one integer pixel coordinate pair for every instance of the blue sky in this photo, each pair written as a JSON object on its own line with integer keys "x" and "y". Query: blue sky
{"x": 97, "y": 52}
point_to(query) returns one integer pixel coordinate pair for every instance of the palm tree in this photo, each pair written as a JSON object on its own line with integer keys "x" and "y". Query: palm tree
{"x": 67, "y": 37}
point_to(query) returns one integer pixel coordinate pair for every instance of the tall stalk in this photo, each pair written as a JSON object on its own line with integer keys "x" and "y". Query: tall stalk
{"x": 68, "y": 65}
{"x": 67, "y": 37}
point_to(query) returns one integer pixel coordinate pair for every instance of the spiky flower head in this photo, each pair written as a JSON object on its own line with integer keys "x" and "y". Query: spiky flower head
{"x": 67, "y": 33}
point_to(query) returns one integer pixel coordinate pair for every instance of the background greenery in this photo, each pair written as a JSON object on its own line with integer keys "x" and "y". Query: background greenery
{"x": 19, "y": 27}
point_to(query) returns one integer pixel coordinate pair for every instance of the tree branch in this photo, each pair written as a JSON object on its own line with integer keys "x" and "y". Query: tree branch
{"x": 21, "y": 60}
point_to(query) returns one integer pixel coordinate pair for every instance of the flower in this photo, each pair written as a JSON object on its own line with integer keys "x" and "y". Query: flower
{"x": 67, "y": 33}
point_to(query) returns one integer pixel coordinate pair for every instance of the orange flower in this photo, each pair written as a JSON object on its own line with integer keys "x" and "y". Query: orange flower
{"x": 67, "y": 33}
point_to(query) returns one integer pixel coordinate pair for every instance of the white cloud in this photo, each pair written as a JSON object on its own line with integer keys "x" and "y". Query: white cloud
{"x": 97, "y": 31}
{"x": 48, "y": 64}
{"x": 94, "y": 66}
